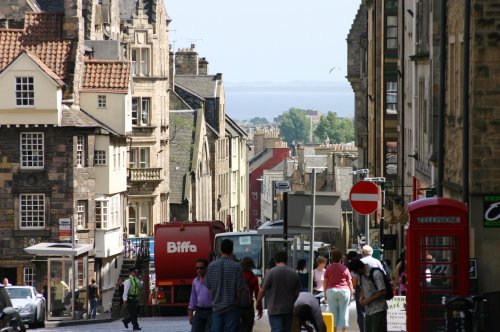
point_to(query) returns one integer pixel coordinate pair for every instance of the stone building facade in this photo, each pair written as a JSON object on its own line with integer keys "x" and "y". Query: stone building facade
{"x": 101, "y": 44}
{"x": 202, "y": 91}
{"x": 56, "y": 156}
{"x": 144, "y": 39}
{"x": 447, "y": 66}
{"x": 357, "y": 76}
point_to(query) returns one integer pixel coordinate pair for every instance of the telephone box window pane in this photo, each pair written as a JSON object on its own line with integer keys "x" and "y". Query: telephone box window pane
{"x": 438, "y": 271}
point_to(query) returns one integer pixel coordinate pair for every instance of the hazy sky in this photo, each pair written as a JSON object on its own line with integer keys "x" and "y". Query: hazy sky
{"x": 266, "y": 40}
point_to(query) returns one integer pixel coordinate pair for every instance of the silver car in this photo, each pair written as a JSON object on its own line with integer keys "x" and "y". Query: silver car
{"x": 29, "y": 303}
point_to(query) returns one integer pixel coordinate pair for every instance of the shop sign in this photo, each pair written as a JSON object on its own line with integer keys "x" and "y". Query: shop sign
{"x": 491, "y": 211}
{"x": 396, "y": 314}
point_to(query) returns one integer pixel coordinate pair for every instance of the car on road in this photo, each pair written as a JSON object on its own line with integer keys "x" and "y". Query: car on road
{"x": 29, "y": 303}
{"x": 9, "y": 317}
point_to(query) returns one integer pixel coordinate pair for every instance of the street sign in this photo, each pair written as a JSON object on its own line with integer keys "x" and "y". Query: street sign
{"x": 281, "y": 186}
{"x": 64, "y": 229}
{"x": 364, "y": 197}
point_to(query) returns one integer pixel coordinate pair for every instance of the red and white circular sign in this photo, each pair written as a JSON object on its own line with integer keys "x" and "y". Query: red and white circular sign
{"x": 364, "y": 197}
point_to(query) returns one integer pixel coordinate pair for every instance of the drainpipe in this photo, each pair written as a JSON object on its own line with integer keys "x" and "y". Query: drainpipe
{"x": 401, "y": 108}
{"x": 465, "y": 103}
{"x": 442, "y": 94}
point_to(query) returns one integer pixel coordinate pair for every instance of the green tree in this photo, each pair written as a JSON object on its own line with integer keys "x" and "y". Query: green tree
{"x": 338, "y": 130}
{"x": 295, "y": 126}
{"x": 258, "y": 121}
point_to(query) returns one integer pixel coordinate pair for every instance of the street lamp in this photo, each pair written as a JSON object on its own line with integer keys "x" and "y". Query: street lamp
{"x": 380, "y": 181}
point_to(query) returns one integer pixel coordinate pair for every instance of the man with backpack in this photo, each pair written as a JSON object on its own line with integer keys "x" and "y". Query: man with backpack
{"x": 373, "y": 295}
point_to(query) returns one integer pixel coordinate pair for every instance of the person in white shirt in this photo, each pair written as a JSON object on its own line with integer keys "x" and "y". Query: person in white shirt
{"x": 319, "y": 275}
{"x": 368, "y": 259}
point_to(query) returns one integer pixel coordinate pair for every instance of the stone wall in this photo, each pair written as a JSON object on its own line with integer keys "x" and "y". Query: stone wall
{"x": 59, "y": 180}
{"x": 186, "y": 61}
{"x": 485, "y": 96}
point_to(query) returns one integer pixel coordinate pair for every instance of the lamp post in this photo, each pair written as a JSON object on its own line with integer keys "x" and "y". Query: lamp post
{"x": 313, "y": 225}
{"x": 380, "y": 181}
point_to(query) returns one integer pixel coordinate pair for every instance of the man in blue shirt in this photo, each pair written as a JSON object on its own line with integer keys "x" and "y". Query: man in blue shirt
{"x": 200, "y": 304}
{"x": 225, "y": 281}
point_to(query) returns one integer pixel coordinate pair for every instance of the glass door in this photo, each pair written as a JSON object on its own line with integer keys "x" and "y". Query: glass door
{"x": 438, "y": 277}
{"x": 67, "y": 296}
{"x": 59, "y": 289}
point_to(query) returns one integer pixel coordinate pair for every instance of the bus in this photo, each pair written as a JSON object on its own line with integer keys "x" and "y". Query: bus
{"x": 246, "y": 243}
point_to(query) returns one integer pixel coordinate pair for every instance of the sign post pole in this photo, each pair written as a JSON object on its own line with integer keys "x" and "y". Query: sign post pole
{"x": 313, "y": 228}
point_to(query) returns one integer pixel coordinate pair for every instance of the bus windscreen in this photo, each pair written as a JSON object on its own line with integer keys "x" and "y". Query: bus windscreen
{"x": 244, "y": 245}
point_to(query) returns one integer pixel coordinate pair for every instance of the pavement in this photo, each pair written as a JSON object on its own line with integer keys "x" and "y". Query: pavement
{"x": 261, "y": 325}
{"x": 104, "y": 317}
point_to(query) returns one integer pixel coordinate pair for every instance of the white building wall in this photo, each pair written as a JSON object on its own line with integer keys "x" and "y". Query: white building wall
{"x": 47, "y": 95}
{"x": 117, "y": 114}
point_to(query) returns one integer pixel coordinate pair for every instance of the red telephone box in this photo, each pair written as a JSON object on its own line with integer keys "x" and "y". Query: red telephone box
{"x": 437, "y": 260}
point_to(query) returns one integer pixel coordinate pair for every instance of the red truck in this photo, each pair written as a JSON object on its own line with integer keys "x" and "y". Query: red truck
{"x": 177, "y": 247}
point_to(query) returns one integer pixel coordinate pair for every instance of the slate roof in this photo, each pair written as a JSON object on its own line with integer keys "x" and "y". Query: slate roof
{"x": 128, "y": 8}
{"x": 280, "y": 166}
{"x": 181, "y": 154}
{"x": 51, "y": 5}
{"x": 41, "y": 37}
{"x": 205, "y": 86}
{"x": 106, "y": 76}
{"x": 312, "y": 161}
{"x": 233, "y": 128}
{"x": 75, "y": 117}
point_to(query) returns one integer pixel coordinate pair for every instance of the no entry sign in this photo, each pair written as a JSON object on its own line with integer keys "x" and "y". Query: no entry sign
{"x": 364, "y": 197}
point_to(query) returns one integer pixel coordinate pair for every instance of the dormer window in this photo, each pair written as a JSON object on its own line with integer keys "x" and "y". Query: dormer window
{"x": 101, "y": 101}
{"x": 25, "y": 91}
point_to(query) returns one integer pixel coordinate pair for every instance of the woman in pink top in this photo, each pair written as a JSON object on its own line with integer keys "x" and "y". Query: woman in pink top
{"x": 338, "y": 286}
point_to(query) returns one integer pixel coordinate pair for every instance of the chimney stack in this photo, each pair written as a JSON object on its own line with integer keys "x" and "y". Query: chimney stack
{"x": 186, "y": 61}
{"x": 203, "y": 66}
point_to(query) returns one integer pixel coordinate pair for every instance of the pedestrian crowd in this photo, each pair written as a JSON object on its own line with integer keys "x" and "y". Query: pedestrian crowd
{"x": 226, "y": 295}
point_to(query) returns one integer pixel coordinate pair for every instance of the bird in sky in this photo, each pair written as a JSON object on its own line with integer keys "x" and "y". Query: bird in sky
{"x": 334, "y": 68}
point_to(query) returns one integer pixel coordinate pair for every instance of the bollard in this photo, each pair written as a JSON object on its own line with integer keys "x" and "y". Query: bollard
{"x": 328, "y": 319}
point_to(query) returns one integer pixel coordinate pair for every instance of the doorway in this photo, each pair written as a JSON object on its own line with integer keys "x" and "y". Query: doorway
{"x": 9, "y": 273}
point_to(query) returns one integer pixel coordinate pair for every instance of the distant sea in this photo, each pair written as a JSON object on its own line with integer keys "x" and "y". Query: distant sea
{"x": 270, "y": 99}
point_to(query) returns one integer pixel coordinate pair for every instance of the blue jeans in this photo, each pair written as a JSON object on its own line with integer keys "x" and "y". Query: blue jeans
{"x": 281, "y": 323}
{"x": 226, "y": 321}
{"x": 338, "y": 302}
{"x": 360, "y": 310}
{"x": 93, "y": 307}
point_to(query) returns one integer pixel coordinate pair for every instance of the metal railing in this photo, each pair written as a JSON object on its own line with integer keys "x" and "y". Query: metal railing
{"x": 138, "y": 248}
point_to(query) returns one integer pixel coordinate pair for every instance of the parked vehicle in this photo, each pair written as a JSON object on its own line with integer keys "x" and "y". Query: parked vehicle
{"x": 29, "y": 303}
{"x": 177, "y": 247}
{"x": 10, "y": 320}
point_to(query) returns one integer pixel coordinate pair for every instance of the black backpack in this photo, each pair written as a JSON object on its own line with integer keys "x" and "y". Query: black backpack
{"x": 389, "y": 292}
